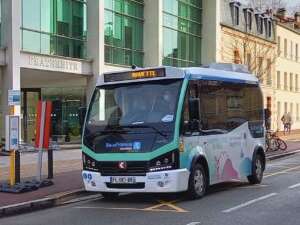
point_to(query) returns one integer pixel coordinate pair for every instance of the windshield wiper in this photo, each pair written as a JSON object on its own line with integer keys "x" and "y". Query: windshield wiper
{"x": 147, "y": 126}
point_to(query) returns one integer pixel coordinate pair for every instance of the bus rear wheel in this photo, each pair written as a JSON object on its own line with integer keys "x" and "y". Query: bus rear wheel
{"x": 198, "y": 182}
{"x": 257, "y": 170}
{"x": 110, "y": 195}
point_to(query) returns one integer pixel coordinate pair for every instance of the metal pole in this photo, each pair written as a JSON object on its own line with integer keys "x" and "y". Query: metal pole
{"x": 40, "y": 165}
{"x": 17, "y": 167}
{"x": 50, "y": 163}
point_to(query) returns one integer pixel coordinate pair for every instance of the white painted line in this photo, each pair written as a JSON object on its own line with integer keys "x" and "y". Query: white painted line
{"x": 249, "y": 203}
{"x": 294, "y": 186}
{"x": 194, "y": 223}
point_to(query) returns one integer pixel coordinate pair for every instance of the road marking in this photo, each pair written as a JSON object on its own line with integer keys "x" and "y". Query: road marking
{"x": 194, "y": 223}
{"x": 249, "y": 203}
{"x": 129, "y": 209}
{"x": 254, "y": 186}
{"x": 282, "y": 172}
{"x": 294, "y": 186}
{"x": 169, "y": 204}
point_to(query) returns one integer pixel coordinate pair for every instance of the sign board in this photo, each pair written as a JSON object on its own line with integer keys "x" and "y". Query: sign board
{"x": 12, "y": 134}
{"x": 14, "y": 97}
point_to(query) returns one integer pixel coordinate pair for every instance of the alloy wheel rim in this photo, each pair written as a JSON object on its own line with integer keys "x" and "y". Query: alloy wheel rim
{"x": 198, "y": 181}
{"x": 258, "y": 168}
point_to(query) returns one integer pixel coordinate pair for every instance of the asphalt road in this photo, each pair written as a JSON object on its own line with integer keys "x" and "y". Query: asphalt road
{"x": 276, "y": 201}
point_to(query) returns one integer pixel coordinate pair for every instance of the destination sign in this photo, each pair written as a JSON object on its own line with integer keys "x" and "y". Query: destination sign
{"x": 135, "y": 75}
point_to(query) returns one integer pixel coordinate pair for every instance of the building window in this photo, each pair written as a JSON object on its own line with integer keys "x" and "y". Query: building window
{"x": 297, "y": 53}
{"x": 285, "y": 107}
{"x": 291, "y": 82}
{"x": 249, "y": 62}
{"x": 285, "y": 48}
{"x": 268, "y": 27}
{"x": 260, "y": 69}
{"x": 278, "y": 80}
{"x": 235, "y": 13}
{"x": 269, "y": 72}
{"x": 291, "y": 51}
{"x": 259, "y": 24}
{"x": 123, "y": 32}
{"x": 236, "y": 57}
{"x": 54, "y": 27}
{"x": 248, "y": 19}
{"x": 285, "y": 81}
{"x": 296, "y": 83}
{"x": 182, "y": 32}
{"x": 297, "y": 112}
{"x": 278, "y": 46}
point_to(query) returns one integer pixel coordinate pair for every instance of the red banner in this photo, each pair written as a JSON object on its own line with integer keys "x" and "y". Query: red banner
{"x": 43, "y": 124}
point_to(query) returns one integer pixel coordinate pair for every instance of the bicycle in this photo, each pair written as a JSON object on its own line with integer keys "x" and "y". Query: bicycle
{"x": 273, "y": 142}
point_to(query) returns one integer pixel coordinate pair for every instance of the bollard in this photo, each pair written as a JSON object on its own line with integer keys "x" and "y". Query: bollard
{"x": 12, "y": 177}
{"x": 17, "y": 167}
{"x": 50, "y": 163}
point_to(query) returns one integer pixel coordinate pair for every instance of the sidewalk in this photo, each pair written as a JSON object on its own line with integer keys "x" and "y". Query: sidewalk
{"x": 63, "y": 182}
{"x": 293, "y": 145}
{"x": 67, "y": 175}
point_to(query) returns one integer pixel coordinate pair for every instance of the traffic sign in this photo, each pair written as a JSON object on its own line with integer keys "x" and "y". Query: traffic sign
{"x": 14, "y": 97}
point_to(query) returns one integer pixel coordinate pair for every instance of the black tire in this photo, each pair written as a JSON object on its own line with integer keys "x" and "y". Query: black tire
{"x": 198, "y": 182}
{"x": 257, "y": 170}
{"x": 110, "y": 195}
{"x": 281, "y": 144}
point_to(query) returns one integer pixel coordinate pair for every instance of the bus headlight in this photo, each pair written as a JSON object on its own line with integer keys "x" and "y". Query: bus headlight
{"x": 89, "y": 163}
{"x": 168, "y": 161}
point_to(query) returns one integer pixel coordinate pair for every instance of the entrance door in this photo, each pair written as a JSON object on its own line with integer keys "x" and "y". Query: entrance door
{"x": 30, "y": 98}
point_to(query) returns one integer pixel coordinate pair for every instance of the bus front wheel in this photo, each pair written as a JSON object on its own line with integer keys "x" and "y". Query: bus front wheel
{"x": 198, "y": 182}
{"x": 257, "y": 170}
{"x": 110, "y": 195}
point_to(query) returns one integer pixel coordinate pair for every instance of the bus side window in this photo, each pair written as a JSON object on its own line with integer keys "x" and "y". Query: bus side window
{"x": 190, "y": 115}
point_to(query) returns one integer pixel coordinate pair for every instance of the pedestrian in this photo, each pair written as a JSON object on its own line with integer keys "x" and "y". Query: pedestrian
{"x": 289, "y": 122}
{"x": 286, "y": 120}
{"x": 268, "y": 118}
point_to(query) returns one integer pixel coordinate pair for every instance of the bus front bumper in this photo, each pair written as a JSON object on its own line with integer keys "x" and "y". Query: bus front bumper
{"x": 154, "y": 182}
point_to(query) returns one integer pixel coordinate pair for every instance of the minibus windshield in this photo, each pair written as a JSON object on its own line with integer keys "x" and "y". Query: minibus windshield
{"x": 133, "y": 108}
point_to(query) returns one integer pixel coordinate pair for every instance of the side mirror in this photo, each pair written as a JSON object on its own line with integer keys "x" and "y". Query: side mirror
{"x": 194, "y": 104}
{"x": 194, "y": 125}
{"x": 82, "y": 112}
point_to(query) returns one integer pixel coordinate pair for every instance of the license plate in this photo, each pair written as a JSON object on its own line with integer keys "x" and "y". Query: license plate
{"x": 122, "y": 180}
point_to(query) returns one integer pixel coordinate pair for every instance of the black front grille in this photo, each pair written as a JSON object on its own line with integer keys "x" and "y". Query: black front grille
{"x": 126, "y": 186}
{"x": 138, "y": 168}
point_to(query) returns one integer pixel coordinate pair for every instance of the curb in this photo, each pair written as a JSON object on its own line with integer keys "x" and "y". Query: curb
{"x": 282, "y": 155}
{"x": 58, "y": 199}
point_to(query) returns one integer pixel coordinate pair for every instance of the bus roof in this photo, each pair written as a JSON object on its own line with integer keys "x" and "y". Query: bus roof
{"x": 191, "y": 73}
{"x": 199, "y": 73}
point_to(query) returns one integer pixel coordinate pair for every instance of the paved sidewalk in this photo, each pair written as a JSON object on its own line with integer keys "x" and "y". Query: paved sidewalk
{"x": 63, "y": 182}
{"x": 67, "y": 175}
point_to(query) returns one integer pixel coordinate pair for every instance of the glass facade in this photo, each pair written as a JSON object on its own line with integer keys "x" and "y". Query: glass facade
{"x": 123, "y": 30}
{"x": 55, "y": 27}
{"x": 65, "y": 113}
{"x": 182, "y": 32}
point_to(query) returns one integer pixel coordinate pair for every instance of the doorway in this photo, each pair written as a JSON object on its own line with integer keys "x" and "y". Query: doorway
{"x": 30, "y": 98}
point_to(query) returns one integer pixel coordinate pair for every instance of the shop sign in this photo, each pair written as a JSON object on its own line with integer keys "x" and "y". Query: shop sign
{"x": 50, "y": 63}
{"x": 14, "y": 97}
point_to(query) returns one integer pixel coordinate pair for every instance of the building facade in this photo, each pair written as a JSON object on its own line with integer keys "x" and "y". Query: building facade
{"x": 248, "y": 37}
{"x": 288, "y": 69}
{"x": 56, "y": 49}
